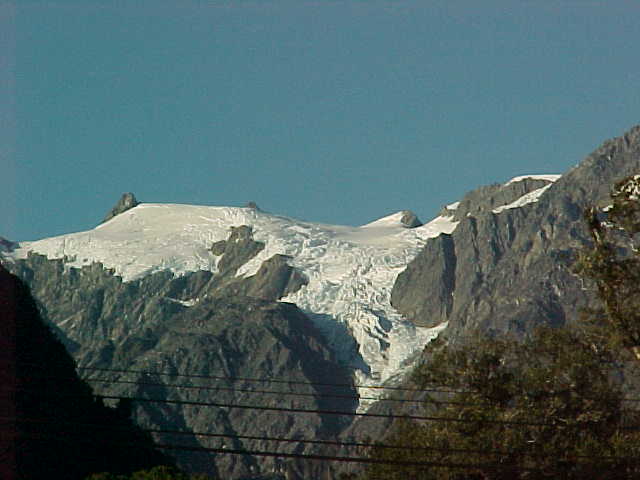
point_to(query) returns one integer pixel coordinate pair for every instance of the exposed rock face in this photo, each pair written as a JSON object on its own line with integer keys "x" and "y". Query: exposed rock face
{"x": 433, "y": 271}
{"x": 410, "y": 219}
{"x": 200, "y": 324}
{"x": 508, "y": 271}
{"x": 127, "y": 201}
{"x": 6, "y": 245}
{"x": 238, "y": 249}
{"x": 487, "y": 198}
{"x": 275, "y": 278}
{"x": 511, "y": 270}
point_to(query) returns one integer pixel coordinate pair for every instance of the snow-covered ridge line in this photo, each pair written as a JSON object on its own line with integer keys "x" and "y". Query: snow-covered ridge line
{"x": 530, "y": 197}
{"x": 548, "y": 177}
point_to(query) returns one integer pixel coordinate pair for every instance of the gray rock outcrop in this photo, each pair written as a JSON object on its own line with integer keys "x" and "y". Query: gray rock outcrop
{"x": 6, "y": 245}
{"x": 237, "y": 250}
{"x": 410, "y": 219}
{"x": 127, "y": 201}
{"x": 509, "y": 271}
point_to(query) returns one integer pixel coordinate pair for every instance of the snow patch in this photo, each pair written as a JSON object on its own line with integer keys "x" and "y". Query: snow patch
{"x": 185, "y": 303}
{"x": 530, "y": 197}
{"x": 548, "y": 177}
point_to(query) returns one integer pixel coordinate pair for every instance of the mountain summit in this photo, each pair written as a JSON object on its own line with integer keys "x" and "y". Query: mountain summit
{"x": 126, "y": 202}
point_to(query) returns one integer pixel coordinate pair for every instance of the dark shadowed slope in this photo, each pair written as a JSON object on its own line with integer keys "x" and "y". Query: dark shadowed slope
{"x": 52, "y": 425}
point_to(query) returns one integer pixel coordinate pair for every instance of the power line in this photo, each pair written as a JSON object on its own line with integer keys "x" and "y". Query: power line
{"x": 305, "y": 441}
{"x": 253, "y": 390}
{"x": 434, "y": 389}
{"x": 493, "y": 466}
{"x": 304, "y": 410}
{"x": 441, "y": 389}
{"x": 269, "y": 392}
{"x": 513, "y": 423}
{"x": 272, "y": 380}
{"x": 265, "y": 438}
{"x": 65, "y": 436}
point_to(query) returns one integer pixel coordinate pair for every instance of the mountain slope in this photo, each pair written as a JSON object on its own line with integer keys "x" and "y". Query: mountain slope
{"x": 52, "y": 426}
{"x": 508, "y": 269}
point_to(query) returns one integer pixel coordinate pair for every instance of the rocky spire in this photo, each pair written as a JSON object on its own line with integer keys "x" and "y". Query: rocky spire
{"x": 410, "y": 219}
{"x": 126, "y": 202}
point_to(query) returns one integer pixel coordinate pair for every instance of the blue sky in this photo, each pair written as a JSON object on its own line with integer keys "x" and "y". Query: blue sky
{"x": 329, "y": 111}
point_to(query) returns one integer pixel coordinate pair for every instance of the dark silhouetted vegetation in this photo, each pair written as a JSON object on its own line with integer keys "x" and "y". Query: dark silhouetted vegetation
{"x": 60, "y": 429}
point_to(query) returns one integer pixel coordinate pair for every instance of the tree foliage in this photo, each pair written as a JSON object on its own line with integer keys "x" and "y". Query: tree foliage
{"x": 156, "y": 473}
{"x": 551, "y": 406}
{"x": 613, "y": 264}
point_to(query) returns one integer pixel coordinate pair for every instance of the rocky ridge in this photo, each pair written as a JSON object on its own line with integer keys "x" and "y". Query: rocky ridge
{"x": 508, "y": 270}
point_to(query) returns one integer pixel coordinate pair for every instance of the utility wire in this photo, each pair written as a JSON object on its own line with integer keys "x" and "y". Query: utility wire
{"x": 332, "y": 412}
{"x": 310, "y": 442}
{"x": 270, "y": 380}
{"x": 435, "y": 389}
{"x": 260, "y": 391}
{"x": 513, "y": 423}
{"x": 267, "y": 438}
{"x": 494, "y": 466}
{"x": 66, "y": 437}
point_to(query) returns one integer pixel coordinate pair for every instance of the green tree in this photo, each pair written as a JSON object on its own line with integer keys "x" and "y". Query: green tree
{"x": 545, "y": 408}
{"x": 613, "y": 264}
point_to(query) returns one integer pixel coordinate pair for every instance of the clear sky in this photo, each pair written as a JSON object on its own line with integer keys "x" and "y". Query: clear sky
{"x": 328, "y": 111}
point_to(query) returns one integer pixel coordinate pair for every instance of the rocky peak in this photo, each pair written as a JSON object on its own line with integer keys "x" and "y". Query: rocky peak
{"x": 487, "y": 198}
{"x": 6, "y": 245}
{"x": 237, "y": 250}
{"x": 127, "y": 201}
{"x": 410, "y": 219}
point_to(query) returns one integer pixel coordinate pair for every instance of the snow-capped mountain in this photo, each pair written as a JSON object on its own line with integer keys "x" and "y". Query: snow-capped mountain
{"x": 240, "y": 293}
{"x": 235, "y": 294}
{"x": 350, "y": 271}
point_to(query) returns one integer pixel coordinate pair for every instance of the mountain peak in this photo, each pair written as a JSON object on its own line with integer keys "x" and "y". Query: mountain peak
{"x": 403, "y": 218}
{"x": 127, "y": 201}
{"x": 6, "y": 245}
